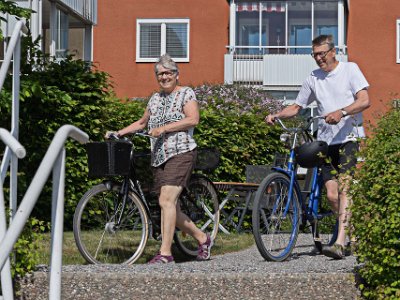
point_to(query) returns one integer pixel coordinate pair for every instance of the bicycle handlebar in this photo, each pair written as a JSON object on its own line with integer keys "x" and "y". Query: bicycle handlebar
{"x": 300, "y": 128}
{"x": 114, "y": 136}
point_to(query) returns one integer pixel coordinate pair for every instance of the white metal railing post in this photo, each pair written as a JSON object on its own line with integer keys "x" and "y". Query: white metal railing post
{"x": 15, "y": 124}
{"x": 57, "y": 220}
{"x": 6, "y": 280}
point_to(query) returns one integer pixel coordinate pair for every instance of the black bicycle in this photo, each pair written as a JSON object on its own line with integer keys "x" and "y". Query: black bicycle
{"x": 115, "y": 218}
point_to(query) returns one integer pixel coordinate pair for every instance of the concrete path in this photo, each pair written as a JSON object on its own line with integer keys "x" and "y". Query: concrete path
{"x": 240, "y": 275}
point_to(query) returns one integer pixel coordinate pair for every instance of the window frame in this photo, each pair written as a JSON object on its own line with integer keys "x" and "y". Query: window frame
{"x": 398, "y": 41}
{"x": 162, "y": 23}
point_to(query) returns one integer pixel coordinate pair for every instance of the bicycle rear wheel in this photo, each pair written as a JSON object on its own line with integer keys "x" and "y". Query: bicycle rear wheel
{"x": 202, "y": 207}
{"x": 275, "y": 221}
{"x": 99, "y": 237}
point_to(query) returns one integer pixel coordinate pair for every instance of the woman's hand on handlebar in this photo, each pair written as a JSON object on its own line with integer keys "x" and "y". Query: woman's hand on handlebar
{"x": 111, "y": 135}
{"x": 156, "y": 132}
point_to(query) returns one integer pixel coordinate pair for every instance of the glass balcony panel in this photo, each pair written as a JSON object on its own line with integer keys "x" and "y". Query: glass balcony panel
{"x": 299, "y": 23}
{"x": 326, "y": 19}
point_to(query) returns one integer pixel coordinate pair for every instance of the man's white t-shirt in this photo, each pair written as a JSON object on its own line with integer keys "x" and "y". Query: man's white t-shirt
{"x": 332, "y": 91}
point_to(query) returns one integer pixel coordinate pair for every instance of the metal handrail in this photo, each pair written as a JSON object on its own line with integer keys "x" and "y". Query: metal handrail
{"x": 19, "y": 151}
{"x": 53, "y": 161}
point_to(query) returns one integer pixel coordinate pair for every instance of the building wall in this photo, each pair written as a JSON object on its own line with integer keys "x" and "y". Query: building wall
{"x": 115, "y": 42}
{"x": 372, "y": 45}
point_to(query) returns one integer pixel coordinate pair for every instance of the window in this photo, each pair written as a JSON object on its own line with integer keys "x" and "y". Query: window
{"x": 62, "y": 34}
{"x": 398, "y": 41}
{"x": 155, "y": 37}
{"x": 326, "y": 19}
{"x": 276, "y": 27}
{"x": 299, "y": 22}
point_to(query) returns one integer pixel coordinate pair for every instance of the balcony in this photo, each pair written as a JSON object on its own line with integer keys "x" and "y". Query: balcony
{"x": 87, "y": 9}
{"x": 273, "y": 69}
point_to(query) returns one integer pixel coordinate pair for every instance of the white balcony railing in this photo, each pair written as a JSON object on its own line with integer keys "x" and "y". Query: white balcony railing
{"x": 272, "y": 71}
{"x": 85, "y": 8}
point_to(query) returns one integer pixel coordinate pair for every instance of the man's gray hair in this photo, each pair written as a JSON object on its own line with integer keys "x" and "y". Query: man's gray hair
{"x": 167, "y": 62}
{"x": 324, "y": 39}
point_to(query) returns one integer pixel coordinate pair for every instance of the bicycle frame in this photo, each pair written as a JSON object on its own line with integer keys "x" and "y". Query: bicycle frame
{"x": 311, "y": 209}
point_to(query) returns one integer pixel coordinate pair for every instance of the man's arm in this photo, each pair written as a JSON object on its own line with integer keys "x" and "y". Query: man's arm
{"x": 287, "y": 112}
{"x": 360, "y": 104}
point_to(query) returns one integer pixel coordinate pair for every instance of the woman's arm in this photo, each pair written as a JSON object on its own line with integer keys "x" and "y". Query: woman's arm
{"x": 192, "y": 118}
{"x": 136, "y": 126}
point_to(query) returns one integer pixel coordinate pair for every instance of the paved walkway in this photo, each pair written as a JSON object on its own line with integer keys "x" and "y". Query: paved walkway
{"x": 240, "y": 275}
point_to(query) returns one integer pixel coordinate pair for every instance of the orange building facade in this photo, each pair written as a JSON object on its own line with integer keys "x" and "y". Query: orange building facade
{"x": 373, "y": 41}
{"x": 115, "y": 41}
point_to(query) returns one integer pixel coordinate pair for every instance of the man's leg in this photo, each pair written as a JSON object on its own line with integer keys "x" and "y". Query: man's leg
{"x": 338, "y": 200}
{"x": 332, "y": 193}
{"x": 168, "y": 198}
{"x": 344, "y": 212}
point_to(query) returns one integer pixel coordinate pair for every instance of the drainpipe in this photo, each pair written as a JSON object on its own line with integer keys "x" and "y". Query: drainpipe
{"x": 232, "y": 26}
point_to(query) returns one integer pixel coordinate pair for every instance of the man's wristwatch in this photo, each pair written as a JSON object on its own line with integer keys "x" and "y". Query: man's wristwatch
{"x": 344, "y": 113}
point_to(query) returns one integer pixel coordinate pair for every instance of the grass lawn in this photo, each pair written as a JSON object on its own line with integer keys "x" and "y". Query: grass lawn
{"x": 224, "y": 243}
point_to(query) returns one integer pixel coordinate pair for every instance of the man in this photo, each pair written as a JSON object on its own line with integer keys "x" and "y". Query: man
{"x": 340, "y": 90}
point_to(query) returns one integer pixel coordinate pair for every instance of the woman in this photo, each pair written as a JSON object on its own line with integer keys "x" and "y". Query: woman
{"x": 170, "y": 116}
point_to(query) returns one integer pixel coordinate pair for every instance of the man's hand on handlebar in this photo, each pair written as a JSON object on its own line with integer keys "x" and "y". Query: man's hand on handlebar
{"x": 334, "y": 117}
{"x": 270, "y": 119}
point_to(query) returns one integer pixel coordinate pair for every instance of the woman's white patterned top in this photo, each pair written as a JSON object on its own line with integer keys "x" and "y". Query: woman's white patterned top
{"x": 165, "y": 109}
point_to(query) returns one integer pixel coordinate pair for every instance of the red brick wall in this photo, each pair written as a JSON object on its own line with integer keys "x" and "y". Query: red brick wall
{"x": 372, "y": 45}
{"x": 115, "y": 41}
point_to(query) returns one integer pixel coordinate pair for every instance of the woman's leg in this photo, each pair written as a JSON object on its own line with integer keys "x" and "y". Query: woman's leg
{"x": 168, "y": 198}
{"x": 186, "y": 225}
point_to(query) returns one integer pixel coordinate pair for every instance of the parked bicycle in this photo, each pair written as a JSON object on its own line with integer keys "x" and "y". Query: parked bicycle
{"x": 282, "y": 208}
{"x": 114, "y": 219}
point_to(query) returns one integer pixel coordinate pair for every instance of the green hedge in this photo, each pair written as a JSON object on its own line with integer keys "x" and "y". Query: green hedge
{"x": 376, "y": 211}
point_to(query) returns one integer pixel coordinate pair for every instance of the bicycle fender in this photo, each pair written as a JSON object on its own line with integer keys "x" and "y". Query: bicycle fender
{"x": 109, "y": 184}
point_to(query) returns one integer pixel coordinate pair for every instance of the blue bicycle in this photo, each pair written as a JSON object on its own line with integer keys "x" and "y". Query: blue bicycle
{"x": 282, "y": 208}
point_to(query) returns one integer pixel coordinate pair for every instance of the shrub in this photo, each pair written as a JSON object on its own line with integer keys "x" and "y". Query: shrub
{"x": 375, "y": 211}
{"x": 232, "y": 120}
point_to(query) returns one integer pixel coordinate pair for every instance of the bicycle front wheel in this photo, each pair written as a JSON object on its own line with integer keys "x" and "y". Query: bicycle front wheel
{"x": 202, "y": 207}
{"x": 275, "y": 219}
{"x": 104, "y": 234}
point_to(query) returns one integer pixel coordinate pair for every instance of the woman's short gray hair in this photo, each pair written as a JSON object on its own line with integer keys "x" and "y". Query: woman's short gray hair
{"x": 167, "y": 62}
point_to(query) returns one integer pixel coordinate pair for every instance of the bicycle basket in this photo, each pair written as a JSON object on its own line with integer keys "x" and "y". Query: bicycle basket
{"x": 207, "y": 159}
{"x": 311, "y": 154}
{"x": 110, "y": 158}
